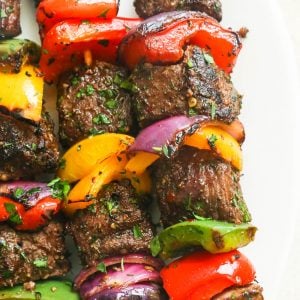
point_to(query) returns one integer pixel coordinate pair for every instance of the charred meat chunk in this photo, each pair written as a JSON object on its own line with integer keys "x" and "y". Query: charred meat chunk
{"x": 26, "y": 149}
{"x": 196, "y": 86}
{"x": 9, "y": 18}
{"x": 197, "y": 182}
{"x": 114, "y": 225}
{"x": 252, "y": 291}
{"x": 31, "y": 256}
{"x": 92, "y": 101}
{"x": 148, "y": 8}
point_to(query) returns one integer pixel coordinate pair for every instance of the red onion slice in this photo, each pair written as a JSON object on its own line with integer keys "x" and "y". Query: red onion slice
{"x": 165, "y": 137}
{"x": 26, "y": 192}
{"x": 137, "y": 291}
{"x": 128, "y": 275}
{"x": 130, "y": 258}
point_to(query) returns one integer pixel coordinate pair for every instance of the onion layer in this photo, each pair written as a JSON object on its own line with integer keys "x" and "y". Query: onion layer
{"x": 26, "y": 192}
{"x": 134, "y": 274}
{"x": 164, "y": 137}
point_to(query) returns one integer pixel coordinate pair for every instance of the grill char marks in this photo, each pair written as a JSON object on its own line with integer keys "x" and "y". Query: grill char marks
{"x": 194, "y": 86}
{"x": 31, "y": 256}
{"x": 91, "y": 101}
{"x": 26, "y": 149}
{"x": 148, "y": 8}
{"x": 114, "y": 225}
{"x": 196, "y": 182}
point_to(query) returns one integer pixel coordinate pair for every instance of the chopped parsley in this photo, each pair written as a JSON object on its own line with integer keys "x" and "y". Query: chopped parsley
{"x": 41, "y": 263}
{"x": 59, "y": 188}
{"x": 208, "y": 58}
{"x": 94, "y": 131}
{"x": 62, "y": 163}
{"x": 14, "y": 216}
{"x": 137, "y": 233}
{"x": 190, "y": 64}
{"x": 102, "y": 267}
{"x": 111, "y": 206}
{"x": 213, "y": 110}
{"x": 212, "y": 140}
{"x": 101, "y": 119}
{"x": 111, "y": 104}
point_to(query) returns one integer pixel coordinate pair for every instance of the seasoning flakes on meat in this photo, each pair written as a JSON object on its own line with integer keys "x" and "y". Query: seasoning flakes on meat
{"x": 31, "y": 256}
{"x": 196, "y": 86}
{"x": 26, "y": 148}
{"x": 196, "y": 182}
{"x": 114, "y": 225}
{"x": 93, "y": 101}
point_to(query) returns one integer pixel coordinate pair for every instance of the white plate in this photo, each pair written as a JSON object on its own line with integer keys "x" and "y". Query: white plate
{"x": 266, "y": 75}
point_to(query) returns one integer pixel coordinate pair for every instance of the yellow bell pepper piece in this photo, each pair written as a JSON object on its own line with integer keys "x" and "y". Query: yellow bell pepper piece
{"x": 219, "y": 141}
{"x": 103, "y": 173}
{"x": 140, "y": 162}
{"x": 108, "y": 170}
{"x": 80, "y": 159}
{"x": 23, "y": 91}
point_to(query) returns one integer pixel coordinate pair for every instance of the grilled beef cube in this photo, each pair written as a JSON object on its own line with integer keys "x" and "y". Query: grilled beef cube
{"x": 194, "y": 86}
{"x": 26, "y": 149}
{"x": 9, "y": 18}
{"x": 148, "y": 8}
{"x": 197, "y": 182}
{"x": 114, "y": 225}
{"x": 31, "y": 256}
{"x": 92, "y": 101}
{"x": 249, "y": 292}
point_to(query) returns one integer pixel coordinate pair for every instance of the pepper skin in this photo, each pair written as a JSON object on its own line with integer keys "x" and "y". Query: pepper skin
{"x": 201, "y": 275}
{"x": 213, "y": 236}
{"x": 161, "y": 39}
{"x": 65, "y": 43}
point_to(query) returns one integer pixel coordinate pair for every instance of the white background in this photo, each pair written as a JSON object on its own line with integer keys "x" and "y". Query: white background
{"x": 291, "y": 14}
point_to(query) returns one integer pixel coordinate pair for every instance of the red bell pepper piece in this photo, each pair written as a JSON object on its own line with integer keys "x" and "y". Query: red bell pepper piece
{"x": 31, "y": 219}
{"x": 161, "y": 39}
{"x": 10, "y": 209}
{"x": 38, "y": 215}
{"x": 65, "y": 43}
{"x": 51, "y": 12}
{"x": 201, "y": 275}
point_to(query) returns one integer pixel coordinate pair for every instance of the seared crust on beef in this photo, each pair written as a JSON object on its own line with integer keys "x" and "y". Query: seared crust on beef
{"x": 249, "y": 292}
{"x": 197, "y": 182}
{"x": 194, "y": 86}
{"x": 26, "y": 149}
{"x": 91, "y": 101}
{"x": 31, "y": 256}
{"x": 114, "y": 225}
{"x": 148, "y": 8}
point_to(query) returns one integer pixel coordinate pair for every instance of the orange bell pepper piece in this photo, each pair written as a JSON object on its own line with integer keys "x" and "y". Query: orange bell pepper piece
{"x": 81, "y": 158}
{"x": 108, "y": 170}
{"x": 219, "y": 141}
{"x": 140, "y": 162}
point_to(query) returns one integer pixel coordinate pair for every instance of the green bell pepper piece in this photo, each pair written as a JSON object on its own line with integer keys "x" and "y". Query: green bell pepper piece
{"x": 14, "y": 53}
{"x": 47, "y": 290}
{"x": 213, "y": 236}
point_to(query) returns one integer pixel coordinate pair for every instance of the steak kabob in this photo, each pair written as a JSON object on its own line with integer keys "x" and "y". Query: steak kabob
{"x": 188, "y": 107}
{"x": 106, "y": 205}
{"x": 31, "y": 237}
